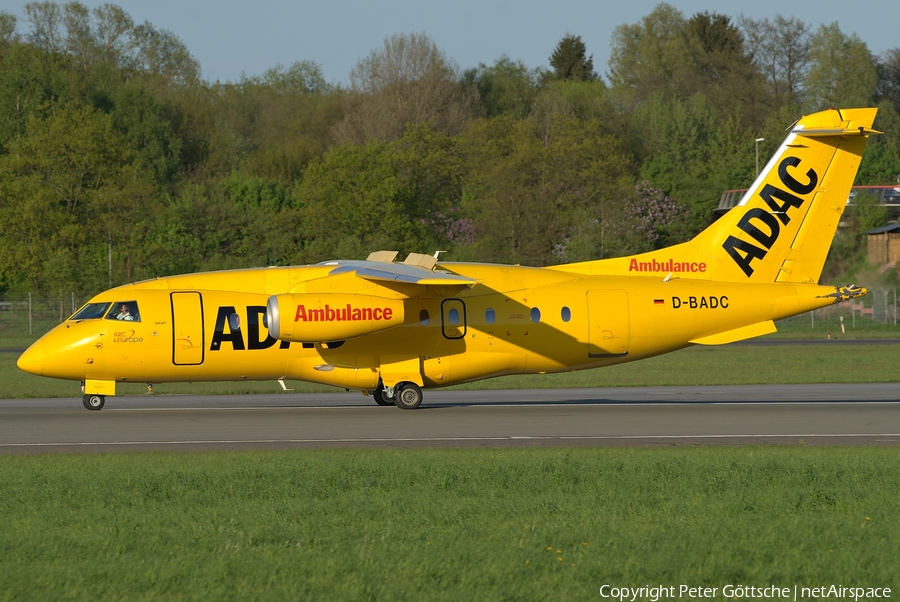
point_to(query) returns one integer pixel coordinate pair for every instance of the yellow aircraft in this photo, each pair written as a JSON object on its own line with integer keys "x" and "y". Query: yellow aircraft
{"x": 391, "y": 329}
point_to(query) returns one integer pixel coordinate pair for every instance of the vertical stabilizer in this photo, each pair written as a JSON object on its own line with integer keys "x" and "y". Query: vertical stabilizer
{"x": 783, "y": 227}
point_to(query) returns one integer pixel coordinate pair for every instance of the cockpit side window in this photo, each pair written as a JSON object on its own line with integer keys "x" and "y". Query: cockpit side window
{"x": 91, "y": 311}
{"x": 124, "y": 310}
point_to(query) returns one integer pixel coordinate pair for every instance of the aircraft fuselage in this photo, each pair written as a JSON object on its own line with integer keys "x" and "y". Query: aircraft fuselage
{"x": 516, "y": 320}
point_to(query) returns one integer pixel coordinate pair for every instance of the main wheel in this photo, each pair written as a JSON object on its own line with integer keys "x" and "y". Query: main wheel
{"x": 408, "y": 396}
{"x": 93, "y": 402}
{"x": 380, "y": 398}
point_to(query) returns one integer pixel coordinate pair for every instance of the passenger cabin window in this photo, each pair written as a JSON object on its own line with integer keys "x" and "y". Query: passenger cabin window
{"x": 126, "y": 311}
{"x": 566, "y": 314}
{"x": 489, "y": 316}
{"x": 535, "y": 315}
{"x": 91, "y": 311}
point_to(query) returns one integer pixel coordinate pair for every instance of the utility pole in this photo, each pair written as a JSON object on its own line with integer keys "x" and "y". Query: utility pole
{"x": 758, "y": 140}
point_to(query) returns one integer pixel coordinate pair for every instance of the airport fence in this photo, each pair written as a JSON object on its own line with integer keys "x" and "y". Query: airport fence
{"x": 27, "y": 314}
{"x": 877, "y": 309}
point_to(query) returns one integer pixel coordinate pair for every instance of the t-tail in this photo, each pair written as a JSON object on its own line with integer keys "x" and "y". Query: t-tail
{"x": 783, "y": 227}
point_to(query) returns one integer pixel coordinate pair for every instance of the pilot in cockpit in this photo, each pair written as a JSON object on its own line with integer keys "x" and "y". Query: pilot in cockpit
{"x": 124, "y": 313}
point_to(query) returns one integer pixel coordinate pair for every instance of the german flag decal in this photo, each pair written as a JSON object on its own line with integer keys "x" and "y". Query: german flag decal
{"x": 658, "y": 302}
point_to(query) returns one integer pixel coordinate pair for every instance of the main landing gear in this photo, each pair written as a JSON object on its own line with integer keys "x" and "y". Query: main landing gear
{"x": 94, "y": 402}
{"x": 405, "y": 395}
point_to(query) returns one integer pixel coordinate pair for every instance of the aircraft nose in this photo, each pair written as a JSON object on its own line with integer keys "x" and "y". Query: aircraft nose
{"x": 32, "y": 361}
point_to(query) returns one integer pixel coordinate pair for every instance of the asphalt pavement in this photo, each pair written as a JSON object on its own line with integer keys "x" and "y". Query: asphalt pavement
{"x": 834, "y": 414}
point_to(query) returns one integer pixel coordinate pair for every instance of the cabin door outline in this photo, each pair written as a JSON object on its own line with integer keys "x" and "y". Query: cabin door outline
{"x": 188, "y": 330}
{"x": 608, "y": 323}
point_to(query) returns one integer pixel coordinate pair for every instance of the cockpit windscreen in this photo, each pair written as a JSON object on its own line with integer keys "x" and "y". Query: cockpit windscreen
{"x": 91, "y": 311}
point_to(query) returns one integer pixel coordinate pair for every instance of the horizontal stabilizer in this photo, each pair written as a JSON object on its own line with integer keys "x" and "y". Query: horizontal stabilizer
{"x": 860, "y": 131}
{"x": 738, "y": 334}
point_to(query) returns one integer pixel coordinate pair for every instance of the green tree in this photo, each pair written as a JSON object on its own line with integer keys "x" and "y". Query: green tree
{"x": 70, "y": 184}
{"x": 889, "y": 77}
{"x": 351, "y": 204}
{"x": 881, "y": 161}
{"x": 45, "y": 19}
{"x": 112, "y": 33}
{"x": 28, "y": 83}
{"x": 570, "y": 61}
{"x": 141, "y": 119}
{"x": 676, "y": 57}
{"x": 8, "y": 34}
{"x": 407, "y": 81}
{"x": 531, "y": 191}
{"x": 505, "y": 88}
{"x": 693, "y": 155}
{"x": 780, "y": 50}
{"x": 272, "y": 125}
{"x": 723, "y": 70}
{"x": 239, "y": 221}
{"x": 841, "y": 72}
{"x": 651, "y": 56}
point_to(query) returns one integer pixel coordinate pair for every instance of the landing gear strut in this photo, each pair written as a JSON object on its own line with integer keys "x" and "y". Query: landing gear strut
{"x": 94, "y": 402}
{"x": 381, "y": 397}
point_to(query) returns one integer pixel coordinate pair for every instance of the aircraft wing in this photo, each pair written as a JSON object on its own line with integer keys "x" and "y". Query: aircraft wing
{"x": 400, "y": 273}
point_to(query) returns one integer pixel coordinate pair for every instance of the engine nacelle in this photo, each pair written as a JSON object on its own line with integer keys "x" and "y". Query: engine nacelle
{"x": 318, "y": 317}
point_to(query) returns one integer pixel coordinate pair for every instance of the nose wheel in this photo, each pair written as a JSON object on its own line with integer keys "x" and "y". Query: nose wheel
{"x": 93, "y": 402}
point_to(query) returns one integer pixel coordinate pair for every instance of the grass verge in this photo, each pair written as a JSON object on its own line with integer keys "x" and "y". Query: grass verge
{"x": 512, "y": 524}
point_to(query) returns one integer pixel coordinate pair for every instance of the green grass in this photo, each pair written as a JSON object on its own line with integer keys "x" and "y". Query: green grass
{"x": 802, "y": 327}
{"x": 512, "y": 524}
{"x": 728, "y": 365}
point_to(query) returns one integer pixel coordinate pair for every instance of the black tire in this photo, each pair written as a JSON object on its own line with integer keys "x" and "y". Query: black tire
{"x": 94, "y": 402}
{"x": 407, "y": 396}
{"x": 380, "y": 399}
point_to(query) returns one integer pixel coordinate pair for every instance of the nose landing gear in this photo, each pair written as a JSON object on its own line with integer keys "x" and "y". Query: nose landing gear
{"x": 93, "y": 402}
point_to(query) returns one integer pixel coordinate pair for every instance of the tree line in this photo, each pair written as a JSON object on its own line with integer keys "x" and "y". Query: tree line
{"x": 110, "y": 139}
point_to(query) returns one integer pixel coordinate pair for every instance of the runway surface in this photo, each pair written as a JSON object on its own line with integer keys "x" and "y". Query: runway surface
{"x": 867, "y": 414}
